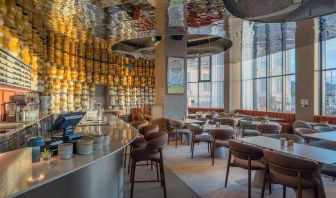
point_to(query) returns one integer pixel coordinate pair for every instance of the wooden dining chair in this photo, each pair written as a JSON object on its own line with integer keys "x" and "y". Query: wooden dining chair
{"x": 291, "y": 171}
{"x": 301, "y": 124}
{"x": 302, "y": 131}
{"x": 220, "y": 138}
{"x": 246, "y": 156}
{"x": 248, "y": 129}
{"x": 177, "y": 130}
{"x": 269, "y": 128}
{"x": 198, "y": 136}
{"x": 228, "y": 121}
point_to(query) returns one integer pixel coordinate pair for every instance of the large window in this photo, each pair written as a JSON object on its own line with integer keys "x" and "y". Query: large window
{"x": 268, "y": 67}
{"x": 205, "y": 81}
{"x": 327, "y": 68}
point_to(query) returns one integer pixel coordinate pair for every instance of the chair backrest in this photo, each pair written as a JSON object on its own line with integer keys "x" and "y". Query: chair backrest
{"x": 302, "y": 131}
{"x": 245, "y": 151}
{"x": 146, "y": 130}
{"x": 301, "y": 124}
{"x": 260, "y": 118}
{"x": 139, "y": 124}
{"x": 295, "y": 138}
{"x": 272, "y": 128}
{"x": 289, "y": 165}
{"x": 175, "y": 124}
{"x": 228, "y": 121}
{"x": 195, "y": 128}
{"x": 232, "y": 115}
{"x": 222, "y": 114}
{"x": 223, "y": 134}
{"x": 245, "y": 124}
{"x": 156, "y": 141}
{"x": 205, "y": 120}
{"x": 248, "y": 118}
{"x": 324, "y": 128}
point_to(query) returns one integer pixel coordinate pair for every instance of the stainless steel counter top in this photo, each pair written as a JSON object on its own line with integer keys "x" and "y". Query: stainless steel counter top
{"x": 18, "y": 175}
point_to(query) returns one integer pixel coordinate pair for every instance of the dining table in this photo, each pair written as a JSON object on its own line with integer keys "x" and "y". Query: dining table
{"x": 331, "y": 136}
{"x": 192, "y": 121}
{"x": 320, "y": 155}
{"x": 312, "y": 124}
{"x": 207, "y": 127}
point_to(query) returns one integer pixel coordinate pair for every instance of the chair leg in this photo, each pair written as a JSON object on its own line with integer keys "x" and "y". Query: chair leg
{"x": 157, "y": 171}
{"x": 188, "y": 138}
{"x": 163, "y": 179}
{"x": 129, "y": 160}
{"x": 243, "y": 133}
{"x": 228, "y": 169}
{"x": 176, "y": 137}
{"x": 264, "y": 183}
{"x": 208, "y": 147}
{"x": 213, "y": 153}
{"x": 284, "y": 191}
{"x": 133, "y": 177}
{"x": 249, "y": 178}
{"x": 192, "y": 149}
{"x": 181, "y": 137}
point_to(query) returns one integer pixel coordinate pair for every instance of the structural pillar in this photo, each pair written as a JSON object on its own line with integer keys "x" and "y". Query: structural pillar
{"x": 306, "y": 62}
{"x": 174, "y": 105}
{"x": 232, "y": 66}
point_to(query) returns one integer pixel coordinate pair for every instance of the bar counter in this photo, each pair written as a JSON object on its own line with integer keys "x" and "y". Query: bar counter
{"x": 97, "y": 175}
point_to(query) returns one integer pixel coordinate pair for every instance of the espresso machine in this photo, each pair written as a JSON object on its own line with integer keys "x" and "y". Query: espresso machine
{"x": 10, "y": 110}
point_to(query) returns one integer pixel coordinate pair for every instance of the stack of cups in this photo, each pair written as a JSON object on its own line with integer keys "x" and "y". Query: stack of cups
{"x": 65, "y": 150}
{"x": 98, "y": 141}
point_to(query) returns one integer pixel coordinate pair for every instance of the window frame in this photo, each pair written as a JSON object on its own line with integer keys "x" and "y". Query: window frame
{"x": 199, "y": 82}
{"x": 268, "y": 76}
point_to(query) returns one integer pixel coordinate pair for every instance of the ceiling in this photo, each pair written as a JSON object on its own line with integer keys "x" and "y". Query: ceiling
{"x": 119, "y": 20}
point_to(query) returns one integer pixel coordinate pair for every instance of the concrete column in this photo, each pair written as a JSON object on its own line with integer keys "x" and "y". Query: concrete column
{"x": 232, "y": 67}
{"x": 306, "y": 59}
{"x": 174, "y": 106}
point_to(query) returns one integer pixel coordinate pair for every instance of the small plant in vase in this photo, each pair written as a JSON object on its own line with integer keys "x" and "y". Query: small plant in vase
{"x": 46, "y": 155}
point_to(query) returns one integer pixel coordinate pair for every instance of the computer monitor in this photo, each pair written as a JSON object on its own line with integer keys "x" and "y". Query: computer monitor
{"x": 68, "y": 120}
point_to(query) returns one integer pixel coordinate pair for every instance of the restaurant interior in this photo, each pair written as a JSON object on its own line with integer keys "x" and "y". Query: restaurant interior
{"x": 167, "y": 98}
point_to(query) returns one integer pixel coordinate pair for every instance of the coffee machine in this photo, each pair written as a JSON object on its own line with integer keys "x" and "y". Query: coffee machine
{"x": 10, "y": 111}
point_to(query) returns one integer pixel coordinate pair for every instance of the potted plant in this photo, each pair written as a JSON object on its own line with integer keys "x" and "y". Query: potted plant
{"x": 46, "y": 155}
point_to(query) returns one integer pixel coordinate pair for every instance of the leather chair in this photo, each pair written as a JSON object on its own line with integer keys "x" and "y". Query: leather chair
{"x": 176, "y": 129}
{"x": 291, "y": 171}
{"x": 246, "y": 156}
{"x": 141, "y": 141}
{"x": 301, "y": 124}
{"x": 220, "y": 138}
{"x": 302, "y": 131}
{"x": 228, "y": 121}
{"x": 198, "y": 136}
{"x": 138, "y": 124}
{"x": 138, "y": 140}
{"x": 248, "y": 129}
{"x": 266, "y": 129}
{"x": 151, "y": 152}
{"x": 295, "y": 138}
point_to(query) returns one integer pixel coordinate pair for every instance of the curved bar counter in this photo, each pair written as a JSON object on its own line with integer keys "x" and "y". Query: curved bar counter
{"x": 97, "y": 175}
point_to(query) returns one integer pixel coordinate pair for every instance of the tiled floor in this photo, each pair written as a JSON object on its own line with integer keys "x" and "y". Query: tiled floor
{"x": 184, "y": 174}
